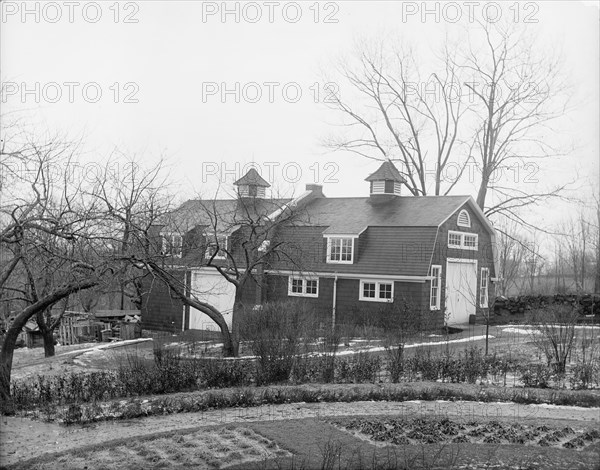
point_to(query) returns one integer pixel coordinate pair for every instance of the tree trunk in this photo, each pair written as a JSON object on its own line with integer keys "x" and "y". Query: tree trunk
{"x": 47, "y": 332}
{"x": 8, "y": 347}
{"x": 48, "y": 336}
{"x": 483, "y": 188}
{"x": 6, "y": 357}
{"x": 179, "y": 291}
{"x": 238, "y": 309}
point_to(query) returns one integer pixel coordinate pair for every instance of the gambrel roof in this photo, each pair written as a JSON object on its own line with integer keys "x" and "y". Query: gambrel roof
{"x": 351, "y": 216}
{"x": 224, "y": 215}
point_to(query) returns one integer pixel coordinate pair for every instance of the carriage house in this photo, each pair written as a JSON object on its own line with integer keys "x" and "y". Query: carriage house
{"x": 368, "y": 256}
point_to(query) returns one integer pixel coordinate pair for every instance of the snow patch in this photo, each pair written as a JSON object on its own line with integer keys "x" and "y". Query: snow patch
{"x": 520, "y": 331}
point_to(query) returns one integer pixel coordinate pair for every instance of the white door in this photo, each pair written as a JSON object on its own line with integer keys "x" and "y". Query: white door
{"x": 210, "y": 287}
{"x": 461, "y": 290}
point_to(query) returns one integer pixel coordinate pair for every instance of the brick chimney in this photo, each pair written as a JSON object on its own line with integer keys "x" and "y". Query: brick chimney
{"x": 317, "y": 190}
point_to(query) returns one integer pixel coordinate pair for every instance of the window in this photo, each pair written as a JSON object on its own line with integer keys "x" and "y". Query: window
{"x": 171, "y": 244}
{"x": 368, "y": 290}
{"x": 464, "y": 219}
{"x": 376, "y": 291}
{"x": 454, "y": 240}
{"x": 220, "y": 243}
{"x": 339, "y": 250}
{"x": 464, "y": 241}
{"x": 436, "y": 283}
{"x": 303, "y": 286}
{"x": 312, "y": 287}
{"x": 483, "y": 290}
{"x": 470, "y": 241}
{"x": 385, "y": 291}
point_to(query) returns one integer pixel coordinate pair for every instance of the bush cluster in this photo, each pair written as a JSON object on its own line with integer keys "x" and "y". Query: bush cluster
{"x": 251, "y": 397}
{"x": 283, "y": 339}
{"x": 468, "y": 366}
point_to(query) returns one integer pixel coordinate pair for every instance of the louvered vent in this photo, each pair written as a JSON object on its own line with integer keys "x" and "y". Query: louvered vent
{"x": 463, "y": 219}
{"x": 378, "y": 187}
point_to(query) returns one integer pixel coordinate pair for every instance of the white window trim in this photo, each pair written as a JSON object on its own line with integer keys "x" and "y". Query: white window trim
{"x": 329, "y": 260}
{"x": 462, "y": 245}
{"x": 169, "y": 237}
{"x": 468, "y": 218}
{"x": 439, "y": 287}
{"x": 220, "y": 254}
{"x": 303, "y": 279}
{"x": 485, "y": 276}
{"x": 377, "y": 290}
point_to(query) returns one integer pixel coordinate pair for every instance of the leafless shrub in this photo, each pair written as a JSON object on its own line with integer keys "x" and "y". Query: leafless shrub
{"x": 554, "y": 334}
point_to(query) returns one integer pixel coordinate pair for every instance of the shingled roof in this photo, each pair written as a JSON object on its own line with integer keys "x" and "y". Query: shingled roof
{"x": 353, "y": 215}
{"x": 387, "y": 171}
{"x": 252, "y": 178}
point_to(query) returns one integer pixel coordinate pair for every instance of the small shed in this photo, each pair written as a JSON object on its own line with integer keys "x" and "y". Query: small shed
{"x": 79, "y": 327}
{"x": 33, "y": 335}
{"x": 124, "y": 324}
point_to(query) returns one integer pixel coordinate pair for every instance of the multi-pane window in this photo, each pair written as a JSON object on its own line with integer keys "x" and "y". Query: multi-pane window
{"x": 297, "y": 286}
{"x": 171, "y": 244}
{"x": 312, "y": 286}
{"x": 454, "y": 240}
{"x": 377, "y": 291}
{"x": 465, "y": 241}
{"x": 303, "y": 287}
{"x": 385, "y": 291}
{"x": 339, "y": 249}
{"x": 368, "y": 290}
{"x": 436, "y": 278}
{"x": 484, "y": 287}
{"x": 470, "y": 241}
{"x": 216, "y": 246}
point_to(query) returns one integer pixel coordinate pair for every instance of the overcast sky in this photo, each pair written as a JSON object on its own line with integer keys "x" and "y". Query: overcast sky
{"x": 162, "y": 68}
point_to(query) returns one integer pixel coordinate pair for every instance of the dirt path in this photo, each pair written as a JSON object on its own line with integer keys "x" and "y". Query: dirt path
{"x": 23, "y": 439}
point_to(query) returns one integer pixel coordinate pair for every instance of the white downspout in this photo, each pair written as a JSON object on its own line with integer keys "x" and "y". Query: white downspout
{"x": 335, "y": 279}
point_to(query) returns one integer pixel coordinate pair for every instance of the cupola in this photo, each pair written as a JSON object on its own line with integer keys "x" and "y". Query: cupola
{"x": 386, "y": 181}
{"x": 252, "y": 185}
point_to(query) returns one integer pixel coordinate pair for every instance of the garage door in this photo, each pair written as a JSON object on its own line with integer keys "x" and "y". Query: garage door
{"x": 461, "y": 290}
{"x": 210, "y": 287}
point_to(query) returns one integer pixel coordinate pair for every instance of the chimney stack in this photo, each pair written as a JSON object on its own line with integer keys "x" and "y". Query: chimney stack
{"x": 317, "y": 190}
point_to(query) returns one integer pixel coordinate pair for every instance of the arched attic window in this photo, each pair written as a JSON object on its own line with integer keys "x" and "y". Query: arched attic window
{"x": 464, "y": 220}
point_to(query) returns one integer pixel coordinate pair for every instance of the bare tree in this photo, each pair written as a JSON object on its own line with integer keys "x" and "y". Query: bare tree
{"x": 49, "y": 234}
{"x": 487, "y": 103}
{"x": 554, "y": 334}
{"x": 512, "y": 250}
{"x": 401, "y": 116}
{"x": 252, "y": 225}
{"x": 131, "y": 197}
{"x": 517, "y": 93}
{"x": 533, "y": 264}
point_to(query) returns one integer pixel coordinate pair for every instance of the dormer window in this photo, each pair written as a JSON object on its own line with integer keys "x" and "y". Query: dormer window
{"x": 464, "y": 219}
{"x": 171, "y": 244}
{"x": 340, "y": 250}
